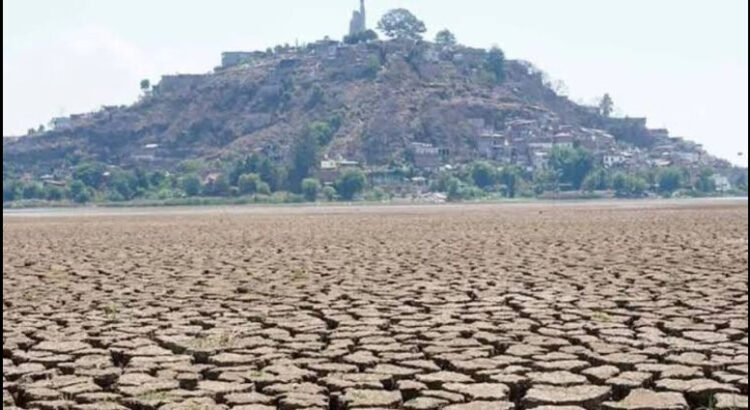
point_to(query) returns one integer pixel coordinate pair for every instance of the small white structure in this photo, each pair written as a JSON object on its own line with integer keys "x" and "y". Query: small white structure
{"x": 721, "y": 182}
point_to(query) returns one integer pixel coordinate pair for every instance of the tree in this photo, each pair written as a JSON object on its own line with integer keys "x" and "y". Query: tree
{"x": 145, "y": 85}
{"x": 53, "y": 193}
{"x": 361, "y": 37}
{"x": 310, "y": 188}
{"x": 669, "y": 180}
{"x": 483, "y": 174}
{"x": 705, "y": 182}
{"x": 321, "y": 132}
{"x": 350, "y": 183}
{"x": 191, "y": 184}
{"x": 79, "y": 192}
{"x": 510, "y": 176}
{"x": 248, "y": 183}
{"x": 32, "y": 190}
{"x": 305, "y": 159}
{"x": 10, "y": 190}
{"x": 401, "y": 24}
{"x": 445, "y": 38}
{"x": 329, "y": 193}
{"x": 573, "y": 164}
{"x": 596, "y": 180}
{"x": 90, "y": 173}
{"x": 496, "y": 63}
{"x": 605, "y": 105}
{"x": 219, "y": 186}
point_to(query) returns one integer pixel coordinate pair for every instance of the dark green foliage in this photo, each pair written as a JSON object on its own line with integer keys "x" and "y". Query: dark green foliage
{"x": 304, "y": 159}
{"x": 445, "y": 38}
{"x": 191, "y": 184}
{"x": 310, "y": 188}
{"x": 572, "y": 164}
{"x": 125, "y": 183}
{"x": 350, "y": 183}
{"x": 79, "y": 192}
{"x": 321, "y": 132}
{"x": 483, "y": 174}
{"x": 248, "y": 183}
{"x": 511, "y": 176}
{"x": 669, "y": 180}
{"x": 10, "y": 190}
{"x": 316, "y": 96}
{"x": 496, "y": 64}
{"x": 705, "y": 182}
{"x": 401, "y": 24}
{"x": 90, "y": 173}
{"x": 629, "y": 186}
{"x": 596, "y": 180}
{"x": 219, "y": 186}
{"x": 53, "y": 193}
{"x": 329, "y": 193}
{"x": 363, "y": 37}
{"x": 372, "y": 68}
{"x": 32, "y": 190}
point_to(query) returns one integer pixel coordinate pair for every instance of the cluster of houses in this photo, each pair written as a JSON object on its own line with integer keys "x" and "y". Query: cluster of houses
{"x": 529, "y": 143}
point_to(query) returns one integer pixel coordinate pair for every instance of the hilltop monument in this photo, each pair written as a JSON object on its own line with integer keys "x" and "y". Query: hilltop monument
{"x": 358, "y": 23}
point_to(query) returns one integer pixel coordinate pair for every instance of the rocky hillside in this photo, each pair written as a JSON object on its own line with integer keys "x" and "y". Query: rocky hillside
{"x": 378, "y": 97}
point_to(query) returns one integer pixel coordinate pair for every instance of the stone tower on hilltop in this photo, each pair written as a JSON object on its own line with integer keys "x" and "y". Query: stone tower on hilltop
{"x": 358, "y": 23}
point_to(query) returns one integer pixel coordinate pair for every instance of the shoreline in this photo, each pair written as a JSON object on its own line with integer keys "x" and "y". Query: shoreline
{"x": 347, "y": 207}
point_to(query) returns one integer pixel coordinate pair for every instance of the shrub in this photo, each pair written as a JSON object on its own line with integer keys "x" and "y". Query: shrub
{"x": 310, "y": 188}
{"x": 248, "y": 183}
{"x": 350, "y": 183}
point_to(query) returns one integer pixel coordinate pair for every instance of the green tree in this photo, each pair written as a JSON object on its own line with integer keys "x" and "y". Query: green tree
{"x": 218, "y": 187}
{"x": 124, "y": 183}
{"x": 596, "y": 180}
{"x": 572, "y": 164}
{"x": 669, "y": 180}
{"x": 350, "y": 183}
{"x": 305, "y": 159}
{"x": 483, "y": 174}
{"x": 329, "y": 193}
{"x": 90, "y": 173}
{"x": 321, "y": 132}
{"x": 32, "y": 190}
{"x": 310, "y": 188}
{"x": 511, "y": 176}
{"x": 445, "y": 38}
{"x": 629, "y": 186}
{"x": 605, "y": 105}
{"x": 248, "y": 183}
{"x": 705, "y": 182}
{"x": 79, "y": 192}
{"x": 401, "y": 24}
{"x": 145, "y": 85}
{"x": 263, "y": 188}
{"x": 53, "y": 193}
{"x": 362, "y": 37}
{"x": 191, "y": 184}
{"x": 10, "y": 190}
{"x": 496, "y": 63}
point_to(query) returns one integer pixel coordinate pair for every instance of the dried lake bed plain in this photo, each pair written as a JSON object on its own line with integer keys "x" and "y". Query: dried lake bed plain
{"x": 640, "y": 305}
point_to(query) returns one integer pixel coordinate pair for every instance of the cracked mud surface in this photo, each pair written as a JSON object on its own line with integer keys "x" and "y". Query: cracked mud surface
{"x": 462, "y": 308}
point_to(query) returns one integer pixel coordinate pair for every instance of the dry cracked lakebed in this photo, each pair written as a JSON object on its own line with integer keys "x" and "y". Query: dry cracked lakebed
{"x": 456, "y": 307}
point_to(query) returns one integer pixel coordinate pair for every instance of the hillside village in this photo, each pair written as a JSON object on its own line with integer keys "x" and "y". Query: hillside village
{"x": 403, "y": 112}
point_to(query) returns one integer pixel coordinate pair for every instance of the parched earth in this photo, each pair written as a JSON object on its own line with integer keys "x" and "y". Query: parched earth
{"x": 455, "y": 307}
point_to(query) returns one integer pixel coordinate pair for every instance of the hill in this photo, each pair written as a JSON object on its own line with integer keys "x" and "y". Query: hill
{"x": 382, "y": 105}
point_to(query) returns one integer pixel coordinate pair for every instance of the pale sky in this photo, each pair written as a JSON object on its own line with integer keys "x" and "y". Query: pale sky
{"x": 681, "y": 63}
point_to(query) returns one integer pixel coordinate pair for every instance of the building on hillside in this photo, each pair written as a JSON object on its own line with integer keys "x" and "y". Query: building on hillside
{"x": 329, "y": 170}
{"x": 426, "y": 156}
{"x": 493, "y": 146}
{"x": 233, "y": 58}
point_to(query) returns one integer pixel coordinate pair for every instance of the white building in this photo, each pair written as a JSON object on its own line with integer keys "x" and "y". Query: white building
{"x": 721, "y": 182}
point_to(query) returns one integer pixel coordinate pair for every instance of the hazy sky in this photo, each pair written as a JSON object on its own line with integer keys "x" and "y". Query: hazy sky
{"x": 681, "y": 63}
